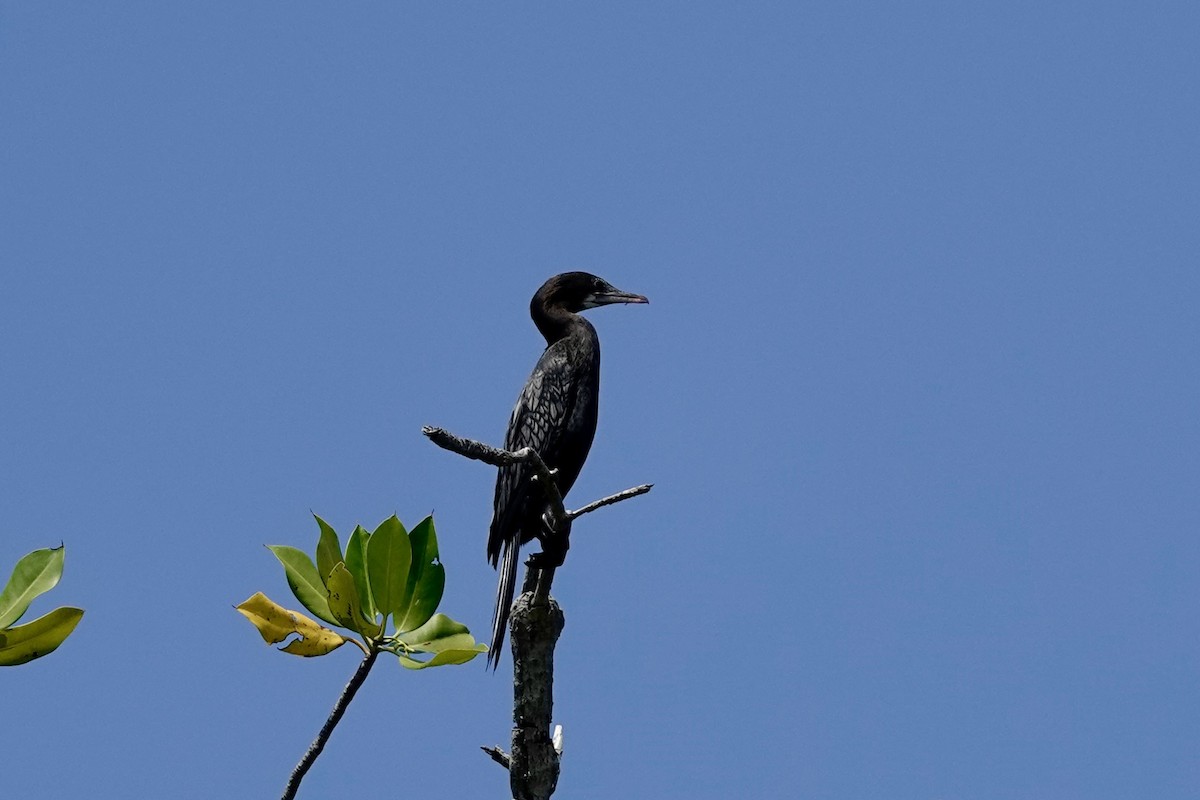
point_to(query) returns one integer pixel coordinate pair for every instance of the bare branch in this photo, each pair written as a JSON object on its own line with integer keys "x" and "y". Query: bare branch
{"x": 499, "y": 756}
{"x": 544, "y": 476}
{"x": 502, "y": 458}
{"x": 469, "y": 447}
{"x": 536, "y": 622}
{"x": 612, "y": 498}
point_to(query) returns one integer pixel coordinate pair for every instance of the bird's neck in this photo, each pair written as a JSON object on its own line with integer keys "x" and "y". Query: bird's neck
{"x": 556, "y": 323}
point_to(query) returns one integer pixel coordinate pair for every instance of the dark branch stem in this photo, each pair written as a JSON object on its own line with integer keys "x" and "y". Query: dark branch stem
{"x": 534, "y": 765}
{"x": 502, "y": 458}
{"x": 536, "y": 622}
{"x": 499, "y": 756}
{"x": 335, "y": 716}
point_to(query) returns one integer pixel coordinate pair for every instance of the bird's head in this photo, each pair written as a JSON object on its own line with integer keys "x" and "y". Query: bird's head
{"x": 576, "y": 291}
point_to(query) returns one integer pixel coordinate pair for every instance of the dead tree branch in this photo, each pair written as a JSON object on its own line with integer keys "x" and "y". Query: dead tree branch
{"x": 503, "y": 458}
{"x": 499, "y": 756}
{"x": 535, "y": 624}
{"x": 608, "y": 501}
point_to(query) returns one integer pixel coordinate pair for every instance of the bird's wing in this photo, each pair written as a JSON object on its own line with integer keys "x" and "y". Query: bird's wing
{"x": 537, "y": 421}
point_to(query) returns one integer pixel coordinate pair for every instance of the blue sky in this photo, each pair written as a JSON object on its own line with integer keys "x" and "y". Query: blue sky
{"x": 917, "y": 385}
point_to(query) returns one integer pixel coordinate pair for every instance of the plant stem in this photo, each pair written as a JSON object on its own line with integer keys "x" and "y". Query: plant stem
{"x": 335, "y": 716}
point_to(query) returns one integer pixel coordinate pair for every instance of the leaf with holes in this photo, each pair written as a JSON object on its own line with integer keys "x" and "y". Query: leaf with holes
{"x": 346, "y": 605}
{"x": 276, "y": 624}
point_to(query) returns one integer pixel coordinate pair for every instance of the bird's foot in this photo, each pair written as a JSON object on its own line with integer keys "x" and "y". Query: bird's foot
{"x": 547, "y": 559}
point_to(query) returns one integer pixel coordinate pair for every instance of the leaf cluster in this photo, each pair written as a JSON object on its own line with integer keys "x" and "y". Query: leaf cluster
{"x": 389, "y": 573}
{"x": 36, "y": 573}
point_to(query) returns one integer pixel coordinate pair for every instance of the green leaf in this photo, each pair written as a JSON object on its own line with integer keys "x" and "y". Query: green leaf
{"x": 426, "y": 579}
{"x": 34, "y": 574}
{"x": 450, "y": 643}
{"x": 443, "y": 658}
{"x": 304, "y": 581}
{"x": 346, "y": 605}
{"x": 329, "y": 550}
{"x": 388, "y": 558}
{"x": 38, "y": 638}
{"x": 276, "y": 623}
{"x": 356, "y": 563}
{"x": 438, "y": 634}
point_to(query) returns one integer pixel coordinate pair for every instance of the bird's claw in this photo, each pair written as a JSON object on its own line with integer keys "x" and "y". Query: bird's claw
{"x": 553, "y": 474}
{"x": 547, "y": 559}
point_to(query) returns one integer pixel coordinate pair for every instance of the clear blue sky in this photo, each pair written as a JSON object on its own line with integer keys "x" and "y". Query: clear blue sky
{"x": 917, "y": 385}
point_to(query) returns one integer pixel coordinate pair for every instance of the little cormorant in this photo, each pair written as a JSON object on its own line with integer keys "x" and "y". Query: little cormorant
{"x": 556, "y": 416}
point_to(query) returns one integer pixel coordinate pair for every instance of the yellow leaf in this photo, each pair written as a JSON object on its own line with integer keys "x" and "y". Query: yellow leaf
{"x": 346, "y": 605}
{"x": 276, "y": 623}
{"x": 35, "y": 639}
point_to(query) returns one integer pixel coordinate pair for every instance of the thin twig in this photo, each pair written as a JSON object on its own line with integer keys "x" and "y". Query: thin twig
{"x": 499, "y": 756}
{"x": 354, "y": 641}
{"x": 612, "y": 498}
{"x": 335, "y": 716}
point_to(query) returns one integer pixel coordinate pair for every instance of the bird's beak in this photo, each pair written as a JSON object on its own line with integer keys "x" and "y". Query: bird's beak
{"x": 609, "y": 297}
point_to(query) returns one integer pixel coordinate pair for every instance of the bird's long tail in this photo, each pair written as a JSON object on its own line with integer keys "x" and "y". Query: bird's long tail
{"x": 504, "y": 600}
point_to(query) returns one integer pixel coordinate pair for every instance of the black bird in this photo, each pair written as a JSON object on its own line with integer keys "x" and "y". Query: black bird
{"x": 556, "y": 416}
